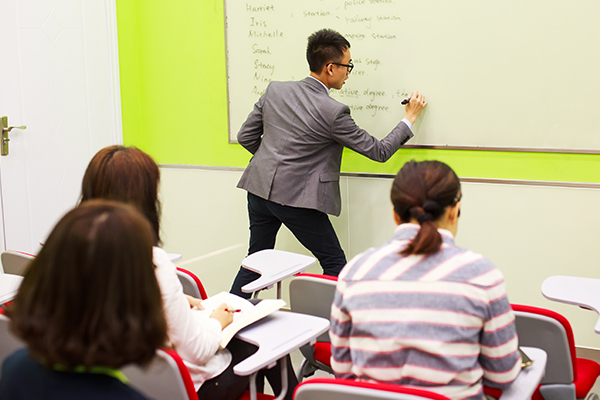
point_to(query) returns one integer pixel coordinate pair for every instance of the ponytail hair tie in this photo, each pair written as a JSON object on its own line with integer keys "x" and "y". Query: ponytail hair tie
{"x": 424, "y": 217}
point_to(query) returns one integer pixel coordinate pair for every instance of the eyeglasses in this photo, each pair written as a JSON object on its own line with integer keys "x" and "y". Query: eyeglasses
{"x": 349, "y": 66}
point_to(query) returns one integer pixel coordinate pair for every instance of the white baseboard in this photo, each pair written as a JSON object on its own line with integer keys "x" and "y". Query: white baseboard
{"x": 591, "y": 353}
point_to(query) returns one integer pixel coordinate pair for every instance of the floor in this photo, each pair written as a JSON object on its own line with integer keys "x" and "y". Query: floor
{"x": 297, "y": 358}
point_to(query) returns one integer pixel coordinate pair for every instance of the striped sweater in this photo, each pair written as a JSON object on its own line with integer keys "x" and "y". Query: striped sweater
{"x": 441, "y": 321}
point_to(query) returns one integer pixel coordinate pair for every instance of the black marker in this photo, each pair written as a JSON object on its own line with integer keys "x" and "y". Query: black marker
{"x": 406, "y": 100}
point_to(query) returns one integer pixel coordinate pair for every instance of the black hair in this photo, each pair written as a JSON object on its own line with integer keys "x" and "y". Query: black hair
{"x": 325, "y": 45}
{"x": 422, "y": 191}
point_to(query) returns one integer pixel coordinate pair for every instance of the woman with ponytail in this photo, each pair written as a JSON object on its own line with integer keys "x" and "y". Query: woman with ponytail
{"x": 420, "y": 310}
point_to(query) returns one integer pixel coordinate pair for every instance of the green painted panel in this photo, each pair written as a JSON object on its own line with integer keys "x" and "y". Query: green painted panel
{"x": 491, "y": 164}
{"x": 174, "y": 101}
{"x": 129, "y": 72}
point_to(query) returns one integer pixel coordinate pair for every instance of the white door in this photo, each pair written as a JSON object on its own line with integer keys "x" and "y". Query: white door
{"x": 59, "y": 77}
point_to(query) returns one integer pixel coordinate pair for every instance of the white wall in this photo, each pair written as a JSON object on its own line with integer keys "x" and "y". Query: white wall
{"x": 529, "y": 232}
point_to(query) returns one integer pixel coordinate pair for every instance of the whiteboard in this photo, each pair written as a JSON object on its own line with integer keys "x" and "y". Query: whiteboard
{"x": 503, "y": 73}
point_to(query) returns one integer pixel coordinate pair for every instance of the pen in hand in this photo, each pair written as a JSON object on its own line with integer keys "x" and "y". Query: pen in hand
{"x": 234, "y": 310}
{"x": 406, "y": 100}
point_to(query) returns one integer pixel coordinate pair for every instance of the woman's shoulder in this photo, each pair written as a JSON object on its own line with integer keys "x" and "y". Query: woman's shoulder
{"x": 18, "y": 363}
{"x": 25, "y": 378}
{"x": 159, "y": 254}
{"x": 470, "y": 267}
{"x": 99, "y": 387}
{"x": 162, "y": 262}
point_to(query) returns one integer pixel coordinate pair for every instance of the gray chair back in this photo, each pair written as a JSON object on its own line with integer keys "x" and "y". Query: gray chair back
{"x": 313, "y": 296}
{"x": 14, "y": 262}
{"x": 160, "y": 380}
{"x": 189, "y": 285}
{"x": 8, "y": 342}
{"x": 548, "y": 334}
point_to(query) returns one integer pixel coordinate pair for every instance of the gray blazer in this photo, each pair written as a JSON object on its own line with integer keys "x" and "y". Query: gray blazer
{"x": 297, "y": 134}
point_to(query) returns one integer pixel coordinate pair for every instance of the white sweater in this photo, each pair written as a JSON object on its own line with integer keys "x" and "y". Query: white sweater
{"x": 195, "y": 338}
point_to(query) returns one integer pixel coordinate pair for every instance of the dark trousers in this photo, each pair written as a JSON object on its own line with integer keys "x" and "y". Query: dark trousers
{"x": 229, "y": 386}
{"x": 312, "y": 228}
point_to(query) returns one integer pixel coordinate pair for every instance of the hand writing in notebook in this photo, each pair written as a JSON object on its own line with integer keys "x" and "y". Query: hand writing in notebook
{"x": 239, "y": 310}
{"x": 222, "y": 314}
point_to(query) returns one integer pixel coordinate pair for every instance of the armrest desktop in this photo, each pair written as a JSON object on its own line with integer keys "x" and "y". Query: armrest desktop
{"x": 582, "y": 292}
{"x": 9, "y": 286}
{"x": 528, "y": 379}
{"x": 273, "y": 267}
{"x": 276, "y": 336}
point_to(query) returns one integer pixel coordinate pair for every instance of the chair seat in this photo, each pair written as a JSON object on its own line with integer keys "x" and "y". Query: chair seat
{"x": 587, "y": 373}
{"x": 337, "y": 388}
{"x": 323, "y": 353}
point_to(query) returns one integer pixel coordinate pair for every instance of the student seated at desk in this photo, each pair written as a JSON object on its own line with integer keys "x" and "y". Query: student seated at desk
{"x": 89, "y": 304}
{"x": 129, "y": 175}
{"x": 419, "y": 310}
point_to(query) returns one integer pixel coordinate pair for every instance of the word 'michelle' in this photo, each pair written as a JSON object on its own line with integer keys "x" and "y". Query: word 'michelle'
{"x": 266, "y": 34}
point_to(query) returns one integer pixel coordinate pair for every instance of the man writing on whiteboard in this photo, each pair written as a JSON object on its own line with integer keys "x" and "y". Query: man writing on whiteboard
{"x": 297, "y": 133}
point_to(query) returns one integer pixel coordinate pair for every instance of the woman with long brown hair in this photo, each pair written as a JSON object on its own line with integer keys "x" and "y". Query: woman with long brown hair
{"x": 129, "y": 175}
{"x": 89, "y": 304}
{"x": 419, "y": 310}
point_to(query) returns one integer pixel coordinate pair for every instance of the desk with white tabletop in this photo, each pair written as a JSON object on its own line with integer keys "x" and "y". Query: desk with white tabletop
{"x": 529, "y": 378}
{"x": 9, "y": 286}
{"x": 273, "y": 267}
{"x": 174, "y": 257}
{"x": 276, "y": 336}
{"x": 583, "y": 292}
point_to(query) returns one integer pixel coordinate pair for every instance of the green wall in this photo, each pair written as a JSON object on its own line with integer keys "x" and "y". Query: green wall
{"x": 174, "y": 101}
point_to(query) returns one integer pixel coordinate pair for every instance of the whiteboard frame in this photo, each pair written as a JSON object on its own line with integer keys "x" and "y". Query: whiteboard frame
{"x": 498, "y": 181}
{"x": 232, "y": 136}
{"x": 503, "y": 149}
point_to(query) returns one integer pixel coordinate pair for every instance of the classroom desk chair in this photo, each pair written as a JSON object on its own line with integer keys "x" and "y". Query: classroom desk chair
{"x": 15, "y": 262}
{"x": 312, "y": 294}
{"x": 274, "y": 266}
{"x": 349, "y": 389}
{"x": 9, "y": 286}
{"x": 191, "y": 284}
{"x": 276, "y": 336}
{"x": 567, "y": 377}
{"x": 167, "y": 378}
{"x": 578, "y": 291}
{"x": 9, "y": 343}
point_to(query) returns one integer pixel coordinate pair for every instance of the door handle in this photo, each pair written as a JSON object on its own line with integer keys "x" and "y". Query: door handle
{"x": 5, "y": 130}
